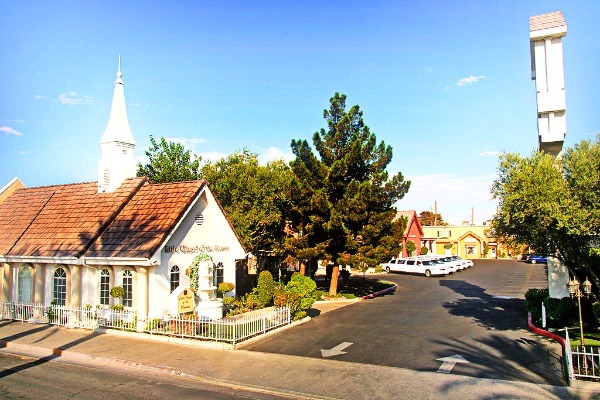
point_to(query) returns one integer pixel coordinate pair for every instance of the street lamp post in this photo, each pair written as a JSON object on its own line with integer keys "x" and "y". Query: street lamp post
{"x": 574, "y": 289}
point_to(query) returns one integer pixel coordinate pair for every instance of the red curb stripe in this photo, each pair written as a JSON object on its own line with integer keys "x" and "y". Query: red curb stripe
{"x": 373, "y": 295}
{"x": 543, "y": 332}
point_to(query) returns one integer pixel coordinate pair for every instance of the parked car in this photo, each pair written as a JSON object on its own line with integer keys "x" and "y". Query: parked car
{"x": 391, "y": 266}
{"x": 536, "y": 258}
{"x": 415, "y": 266}
{"x": 465, "y": 263}
{"x": 450, "y": 265}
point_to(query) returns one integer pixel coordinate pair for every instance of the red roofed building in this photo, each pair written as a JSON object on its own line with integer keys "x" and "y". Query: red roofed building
{"x": 70, "y": 244}
{"x": 413, "y": 231}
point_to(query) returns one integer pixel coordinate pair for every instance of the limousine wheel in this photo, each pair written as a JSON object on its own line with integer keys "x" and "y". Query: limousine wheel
{"x": 427, "y": 273}
{"x": 533, "y": 261}
{"x": 387, "y": 269}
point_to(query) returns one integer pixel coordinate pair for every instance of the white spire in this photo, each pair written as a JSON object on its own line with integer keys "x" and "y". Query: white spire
{"x": 117, "y": 129}
{"x": 117, "y": 163}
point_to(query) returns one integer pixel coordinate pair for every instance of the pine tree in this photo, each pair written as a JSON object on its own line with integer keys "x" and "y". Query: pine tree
{"x": 343, "y": 199}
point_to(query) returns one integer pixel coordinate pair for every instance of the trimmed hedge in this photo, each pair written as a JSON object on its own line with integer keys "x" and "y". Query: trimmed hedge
{"x": 559, "y": 312}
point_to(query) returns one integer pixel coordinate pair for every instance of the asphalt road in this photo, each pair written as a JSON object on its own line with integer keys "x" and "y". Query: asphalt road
{"x": 476, "y": 317}
{"x": 30, "y": 378}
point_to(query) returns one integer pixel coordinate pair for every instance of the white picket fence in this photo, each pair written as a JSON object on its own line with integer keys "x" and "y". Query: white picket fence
{"x": 229, "y": 329}
{"x": 582, "y": 362}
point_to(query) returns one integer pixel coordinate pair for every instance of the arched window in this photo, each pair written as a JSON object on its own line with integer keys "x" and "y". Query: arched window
{"x": 24, "y": 284}
{"x": 128, "y": 288}
{"x": 174, "y": 277}
{"x": 218, "y": 276}
{"x": 59, "y": 287}
{"x": 105, "y": 287}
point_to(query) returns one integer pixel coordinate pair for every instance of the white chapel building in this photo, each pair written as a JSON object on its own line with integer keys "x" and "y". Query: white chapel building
{"x": 70, "y": 244}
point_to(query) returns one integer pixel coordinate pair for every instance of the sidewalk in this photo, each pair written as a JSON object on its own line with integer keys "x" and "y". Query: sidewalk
{"x": 288, "y": 376}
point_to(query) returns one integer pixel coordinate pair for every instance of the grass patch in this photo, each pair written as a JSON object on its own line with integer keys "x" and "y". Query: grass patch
{"x": 356, "y": 287}
{"x": 592, "y": 337}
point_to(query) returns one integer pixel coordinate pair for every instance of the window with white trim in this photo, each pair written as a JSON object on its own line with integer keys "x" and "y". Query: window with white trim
{"x": 24, "y": 284}
{"x": 128, "y": 288}
{"x": 105, "y": 287}
{"x": 174, "y": 278}
{"x": 218, "y": 276}
{"x": 59, "y": 287}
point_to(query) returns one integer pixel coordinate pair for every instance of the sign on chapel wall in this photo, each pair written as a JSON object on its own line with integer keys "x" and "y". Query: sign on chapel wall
{"x": 185, "y": 301}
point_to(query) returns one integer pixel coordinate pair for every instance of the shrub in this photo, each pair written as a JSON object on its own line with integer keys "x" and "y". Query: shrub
{"x": 117, "y": 292}
{"x": 410, "y": 247}
{"x": 533, "y": 301}
{"x": 299, "y": 294}
{"x": 225, "y": 287}
{"x": 265, "y": 288}
{"x": 228, "y": 301}
{"x": 424, "y": 250}
{"x": 596, "y": 310}
{"x": 251, "y": 301}
{"x": 560, "y": 312}
{"x": 118, "y": 308}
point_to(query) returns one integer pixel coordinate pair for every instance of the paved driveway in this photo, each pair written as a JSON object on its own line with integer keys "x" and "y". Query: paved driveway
{"x": 474, "y": 319}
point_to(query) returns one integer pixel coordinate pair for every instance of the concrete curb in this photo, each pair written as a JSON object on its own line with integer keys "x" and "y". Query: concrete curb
{"x": 381, "y": 292}
{"x": 543, "y": 332}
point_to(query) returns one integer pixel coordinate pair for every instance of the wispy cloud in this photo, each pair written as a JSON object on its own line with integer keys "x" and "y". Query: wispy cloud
{"x": 188, "y": 143}
{"x": 489, "y": 153}
{"x": 73, "y": 99}
{"x": 469, "y": 80}
{"x": 10, "y": 131}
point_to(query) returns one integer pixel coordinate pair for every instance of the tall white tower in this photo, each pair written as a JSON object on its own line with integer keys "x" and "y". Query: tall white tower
{"x": 117, "y": 143}
{"x": 545, "y": 35}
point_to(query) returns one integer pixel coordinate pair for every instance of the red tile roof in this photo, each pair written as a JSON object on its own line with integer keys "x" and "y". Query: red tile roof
{"x": 146, "y": 220}
{"x": 75, "y": 220}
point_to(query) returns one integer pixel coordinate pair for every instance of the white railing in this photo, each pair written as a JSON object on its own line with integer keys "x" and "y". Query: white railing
{"x": 585, "y": 362}
{"x": 229, "y": 329}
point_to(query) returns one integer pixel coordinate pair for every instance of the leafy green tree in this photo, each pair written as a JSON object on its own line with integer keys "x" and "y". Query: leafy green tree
{"x": 343, "y": 198}
{"x": 169, "y": 162}
{"x": 428, "y": 218}
{"x": 552, "y": 204}
{"x": 255, "y": 197}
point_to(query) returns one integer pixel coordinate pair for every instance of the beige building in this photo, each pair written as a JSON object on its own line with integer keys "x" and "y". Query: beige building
{"x": 466, "y": 241}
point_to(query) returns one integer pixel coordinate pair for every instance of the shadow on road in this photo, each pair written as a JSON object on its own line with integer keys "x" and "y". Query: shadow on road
{"x": 485, "y": 310}
{"x": 51, "y": 331}
{"x": 536, "y": 363}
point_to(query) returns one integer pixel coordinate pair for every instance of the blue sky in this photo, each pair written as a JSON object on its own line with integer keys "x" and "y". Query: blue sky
{"x": 446, "y": 83}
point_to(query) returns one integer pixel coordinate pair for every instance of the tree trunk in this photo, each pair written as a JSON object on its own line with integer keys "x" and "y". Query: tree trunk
{"x": 302, "y": 268}
{"x": 334, "y": 281}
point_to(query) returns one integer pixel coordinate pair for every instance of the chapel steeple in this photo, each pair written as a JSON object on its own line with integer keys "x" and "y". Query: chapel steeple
{"x": 117, "y": 163}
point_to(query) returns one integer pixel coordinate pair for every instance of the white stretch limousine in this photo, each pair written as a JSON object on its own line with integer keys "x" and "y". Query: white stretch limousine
{"x": 414, "y": 266}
